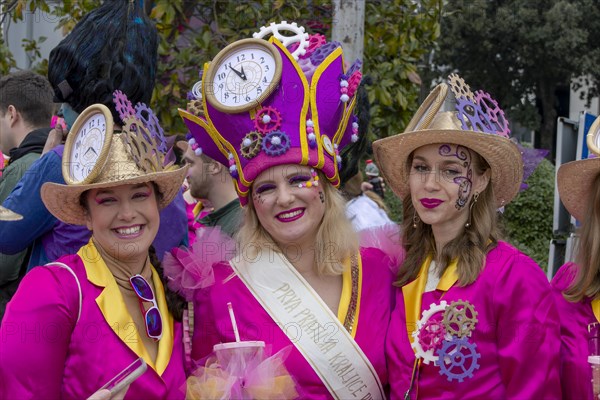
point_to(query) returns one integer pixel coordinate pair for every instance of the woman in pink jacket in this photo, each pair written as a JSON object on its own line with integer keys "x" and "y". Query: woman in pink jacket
{"x": 76, "y": 323}
{"x": 473, "y": 317}
{"x": 577, "y": 285}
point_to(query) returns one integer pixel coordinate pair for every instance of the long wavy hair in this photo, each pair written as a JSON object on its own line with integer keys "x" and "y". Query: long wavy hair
{"x": 470, "y": 247}
{"x": 587, "y": 279}
{"x": 335, "y": 240}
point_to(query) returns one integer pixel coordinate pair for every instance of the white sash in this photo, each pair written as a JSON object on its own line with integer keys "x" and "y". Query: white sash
{"x": 311, "y": 326}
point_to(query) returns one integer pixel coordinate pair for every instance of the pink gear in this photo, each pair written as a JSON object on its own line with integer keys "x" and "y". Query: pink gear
{"x": 123, "y": 105}
{"x": 314, "y": 42}
{"x": 432, "y": 334}
{"x": 267, "y": 120}
{"x": 353, "y": 83}
{"x": 495, "y": 114}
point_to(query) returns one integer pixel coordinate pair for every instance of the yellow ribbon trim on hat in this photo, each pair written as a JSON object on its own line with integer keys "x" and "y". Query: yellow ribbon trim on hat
{"x": 305, "y": 99}
{"x": 113, "y": 307}
{"x": 413, "y": 292}
{"x": 596, "y": 308}
{"x": 313, "y": 101}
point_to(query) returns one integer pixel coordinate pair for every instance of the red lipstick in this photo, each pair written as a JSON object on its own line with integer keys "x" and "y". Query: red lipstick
{"x": 431, "y": 203}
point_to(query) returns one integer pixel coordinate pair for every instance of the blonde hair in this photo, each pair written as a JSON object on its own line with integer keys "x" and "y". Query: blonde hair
{"x": 335, "y": 240}
{"x": 587, "y": 280}
{"x": 470, "y": 247}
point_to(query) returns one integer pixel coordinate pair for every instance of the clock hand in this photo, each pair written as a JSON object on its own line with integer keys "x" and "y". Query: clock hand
{"x": 243, "y": 74}
{"x": 238, "y": 73}
{"x": 90, "y": 149}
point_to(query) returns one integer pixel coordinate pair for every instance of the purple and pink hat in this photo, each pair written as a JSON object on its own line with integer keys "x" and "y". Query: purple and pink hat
{"x": 307, "y": 119}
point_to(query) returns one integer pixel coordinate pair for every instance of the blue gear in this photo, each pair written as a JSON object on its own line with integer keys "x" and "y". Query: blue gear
{"x": 472, "y": 117}
{"x": 462, "y": 358}
{"x": 150, "y": 121}
{"x": 276, "y": 149}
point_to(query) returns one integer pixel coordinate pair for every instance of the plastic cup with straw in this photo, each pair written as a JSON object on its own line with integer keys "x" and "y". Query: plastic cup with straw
{"x": 236, "y": 356}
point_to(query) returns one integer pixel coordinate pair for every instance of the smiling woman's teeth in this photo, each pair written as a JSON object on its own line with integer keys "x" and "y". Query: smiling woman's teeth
{"x": 128, "y": 231}
{"x": 290, "y": 214}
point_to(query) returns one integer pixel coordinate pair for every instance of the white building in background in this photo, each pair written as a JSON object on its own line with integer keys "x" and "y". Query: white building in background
{"x": 33, "y": 27}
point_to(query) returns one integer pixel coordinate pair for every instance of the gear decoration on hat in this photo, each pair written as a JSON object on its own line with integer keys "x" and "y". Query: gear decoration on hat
{"x": 150, "y": 121}
{"x": 354, "y": 67}
{"x": 267, "y": 120}
{"x": 299, "y": 36}
{"x": 460, "y": 88}
{"x": 472, "y": 117}
{"x": 197, "y": 90}
{"x": 307, "y": 67}
{"x": 314, "y": 42}
{"x": 195, "y": 107}
{"x": 458, "y": 359}
{"x": 495, "y": 114}
{"x": 323, "y": 51}
{"x": 142, "y": 147}
{"x": 251, "y": 145}
{"x": 460, "y": 319}
{"x": 353, "y": 83}
{"x": 276, "y": 143}
{"x": 430, "y": 332}
{"x": 123, "y": 105}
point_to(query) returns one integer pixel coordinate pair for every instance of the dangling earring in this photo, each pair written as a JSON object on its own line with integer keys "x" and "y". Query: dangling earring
{"x": 475, "y": 197}
{"x": 416, "y": 219}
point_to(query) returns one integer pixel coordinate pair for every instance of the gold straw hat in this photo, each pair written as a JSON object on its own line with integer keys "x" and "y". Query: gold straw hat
{"x": 95, "y": 157}
{"x": 478, "y": 124}
{"x": 8, "y": 215}
{"x": 575, "y": 179}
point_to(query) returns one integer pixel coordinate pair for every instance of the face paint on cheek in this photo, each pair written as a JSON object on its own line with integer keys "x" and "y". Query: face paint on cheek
{"x": 464, "y": 182}
{"x": 257, "y": 198}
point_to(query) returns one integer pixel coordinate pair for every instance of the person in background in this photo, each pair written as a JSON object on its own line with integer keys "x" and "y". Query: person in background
{"x": 374, "y": 179}
{"x": 26, "y": 109}
{"x": 577, "y": 284}
{"x": 474, "y": 317}
{"x": 364, "y": 209}
{"x": 100, "y": 309}
{"x": 210, "y": 180}
{"x": 114, "y": 47}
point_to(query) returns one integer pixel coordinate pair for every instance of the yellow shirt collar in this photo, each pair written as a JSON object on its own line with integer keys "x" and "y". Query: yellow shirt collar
{"x": 113, "y": 307}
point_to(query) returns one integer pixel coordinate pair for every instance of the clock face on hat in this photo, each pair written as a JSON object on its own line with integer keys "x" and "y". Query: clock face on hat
{"x": 242, "y": 75}
{"x": 87, "y": 145}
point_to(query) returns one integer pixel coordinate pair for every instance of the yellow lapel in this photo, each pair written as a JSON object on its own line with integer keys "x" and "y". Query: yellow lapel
{"x": 596, "y": 308}
{"x": 114, "y": 310}
{"x": 413, "y": 292}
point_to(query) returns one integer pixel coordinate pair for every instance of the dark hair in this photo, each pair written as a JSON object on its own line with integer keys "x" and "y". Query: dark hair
{"x": 113, "y": 47}
{"x": 175, "y": 302}
{"x": 30, "y": 94}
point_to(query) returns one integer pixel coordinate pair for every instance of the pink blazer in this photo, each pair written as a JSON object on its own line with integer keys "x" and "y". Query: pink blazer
{"x": 46, "y": 354}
